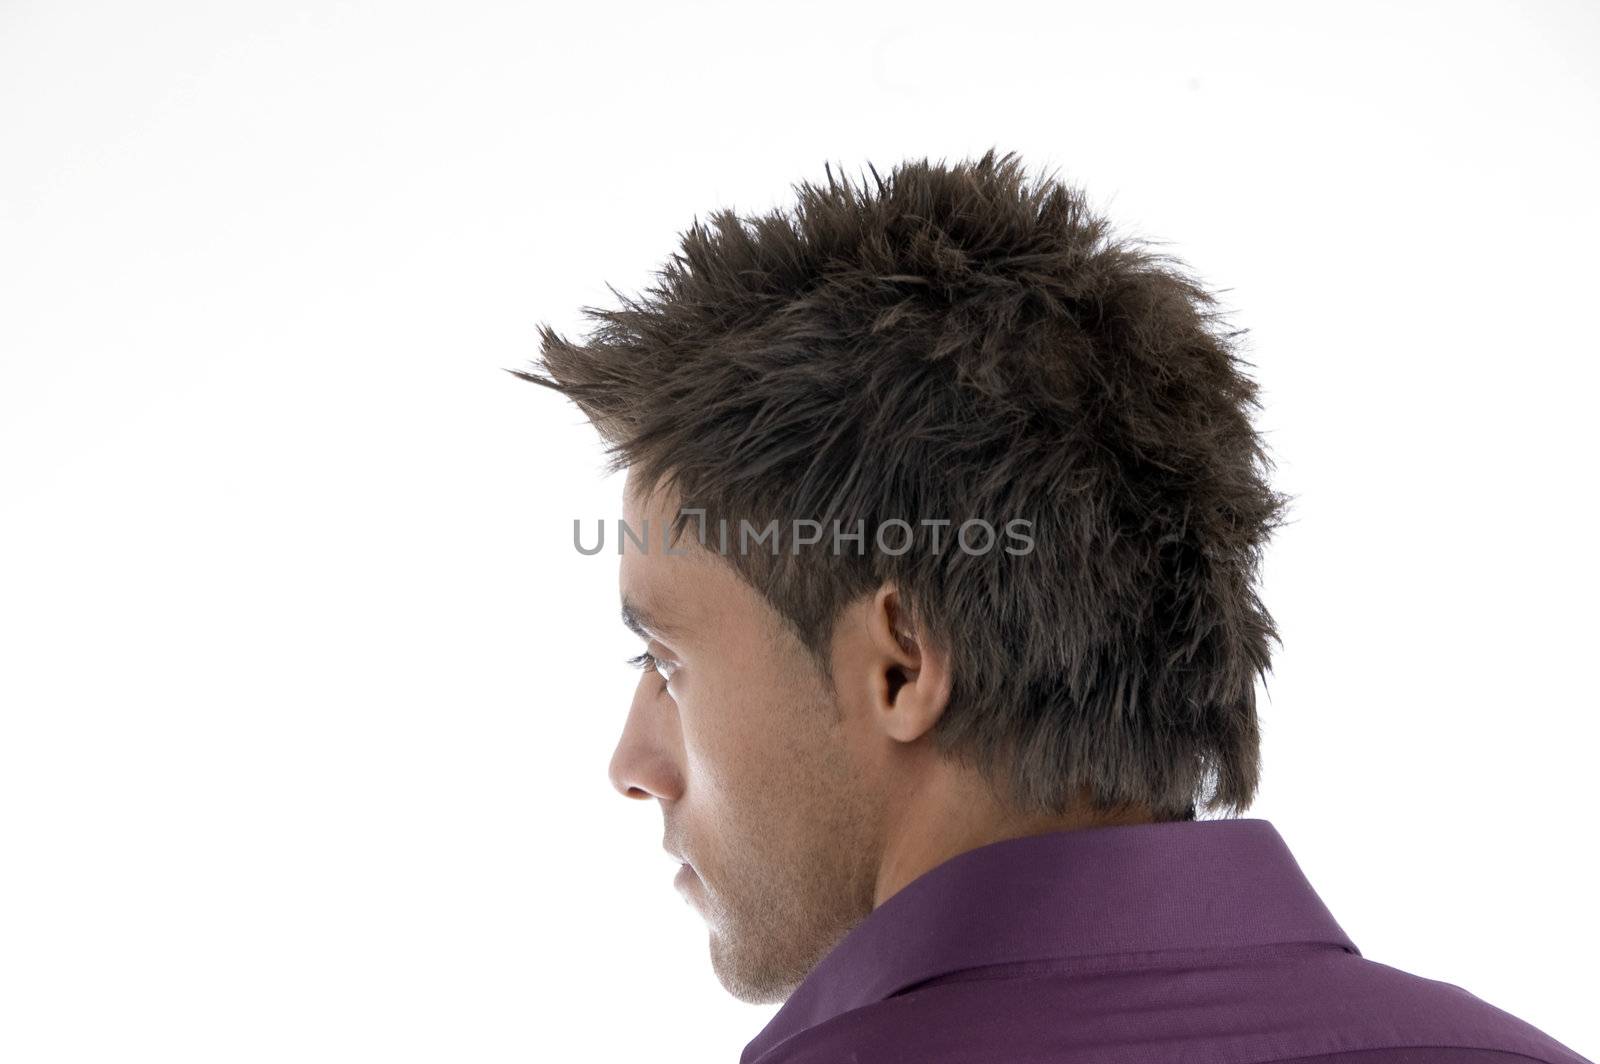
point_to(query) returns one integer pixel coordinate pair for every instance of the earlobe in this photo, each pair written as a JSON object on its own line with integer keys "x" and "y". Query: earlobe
{"x": 926, "y": 693}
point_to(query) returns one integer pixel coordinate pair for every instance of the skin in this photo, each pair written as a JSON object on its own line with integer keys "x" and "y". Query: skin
{"x": 797, "y": 810}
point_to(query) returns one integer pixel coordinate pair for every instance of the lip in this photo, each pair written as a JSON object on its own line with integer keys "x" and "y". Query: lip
{"x": 685, "y": 879}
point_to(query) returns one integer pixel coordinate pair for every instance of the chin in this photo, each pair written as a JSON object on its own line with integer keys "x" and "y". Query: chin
{"x": 749, "y": 983}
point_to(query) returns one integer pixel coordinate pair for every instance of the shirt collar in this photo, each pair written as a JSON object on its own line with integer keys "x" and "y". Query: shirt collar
{"x": 1093, "y": 891}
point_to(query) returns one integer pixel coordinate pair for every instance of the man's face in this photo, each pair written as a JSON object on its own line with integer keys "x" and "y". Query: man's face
{"x": 739, "y": 739}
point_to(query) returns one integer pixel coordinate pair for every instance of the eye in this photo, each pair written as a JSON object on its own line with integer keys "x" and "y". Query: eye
{"x": 644, "y": 662}
{"x": 648, "y": 662}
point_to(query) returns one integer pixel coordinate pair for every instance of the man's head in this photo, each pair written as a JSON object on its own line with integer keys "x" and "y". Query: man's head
{"x": 950, "y": 350}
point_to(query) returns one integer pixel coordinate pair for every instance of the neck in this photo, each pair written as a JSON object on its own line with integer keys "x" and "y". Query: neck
{"x": 949, "y": 810}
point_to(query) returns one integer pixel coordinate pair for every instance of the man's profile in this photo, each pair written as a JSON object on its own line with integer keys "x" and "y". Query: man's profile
{"x": 950, "y": 511}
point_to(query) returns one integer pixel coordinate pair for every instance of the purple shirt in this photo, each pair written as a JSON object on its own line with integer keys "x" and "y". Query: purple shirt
{"x": 1195, "y": 941}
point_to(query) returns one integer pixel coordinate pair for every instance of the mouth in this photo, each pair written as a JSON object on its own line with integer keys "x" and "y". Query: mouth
{"x": 687, "y": 878}
{"x": 672, "y": 852}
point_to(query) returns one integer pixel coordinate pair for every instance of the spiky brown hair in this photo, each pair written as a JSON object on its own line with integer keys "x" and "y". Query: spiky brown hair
{"x": 954, "y": 342}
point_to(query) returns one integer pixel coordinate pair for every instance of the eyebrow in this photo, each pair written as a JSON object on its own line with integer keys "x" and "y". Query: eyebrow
{"x": 642, "y": 623}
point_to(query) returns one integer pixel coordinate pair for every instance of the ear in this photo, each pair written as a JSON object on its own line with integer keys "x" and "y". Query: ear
{"x": 910, "y": 676}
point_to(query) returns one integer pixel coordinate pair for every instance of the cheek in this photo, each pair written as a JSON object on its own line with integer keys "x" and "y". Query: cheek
{"x": 723, "y": 742}
{"x": 743, "y": 749}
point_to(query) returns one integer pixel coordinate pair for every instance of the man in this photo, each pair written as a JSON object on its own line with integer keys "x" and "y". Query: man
{"x": 941, "y": 528}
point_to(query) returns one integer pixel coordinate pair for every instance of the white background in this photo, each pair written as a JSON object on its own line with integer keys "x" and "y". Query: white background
{"x": 308, "y": 699}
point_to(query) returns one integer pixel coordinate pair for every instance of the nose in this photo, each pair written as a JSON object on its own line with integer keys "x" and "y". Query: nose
{"x": 647, "y": 760}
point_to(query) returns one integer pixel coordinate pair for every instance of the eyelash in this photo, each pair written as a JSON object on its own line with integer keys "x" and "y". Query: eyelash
{"x": 644, "y": 662}
{"x": 648, "y": 662}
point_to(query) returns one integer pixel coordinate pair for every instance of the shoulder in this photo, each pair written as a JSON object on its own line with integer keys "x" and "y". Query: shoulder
{"x": 1267, "y": 1007}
